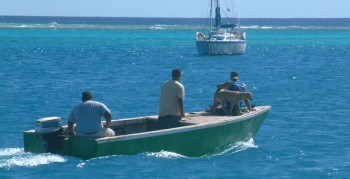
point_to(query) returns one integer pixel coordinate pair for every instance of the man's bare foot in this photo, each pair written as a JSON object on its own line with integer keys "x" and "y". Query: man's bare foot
{"x": 252, "y": 109}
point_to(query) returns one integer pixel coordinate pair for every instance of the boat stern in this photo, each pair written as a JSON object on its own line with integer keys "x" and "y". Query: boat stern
{"x": 33, "y": 143}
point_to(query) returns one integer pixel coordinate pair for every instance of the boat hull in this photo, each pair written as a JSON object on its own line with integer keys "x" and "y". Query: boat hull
{"x": 217, "y": 47}
{"x": 200, "y": 134}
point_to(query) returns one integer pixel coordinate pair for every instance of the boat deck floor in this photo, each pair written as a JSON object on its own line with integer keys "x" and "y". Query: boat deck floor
{"x": 146, "y": 124}
{"x": 204, "y": 117}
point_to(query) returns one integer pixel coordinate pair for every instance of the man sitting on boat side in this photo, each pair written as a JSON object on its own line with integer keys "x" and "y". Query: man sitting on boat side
{"x": 87, "y": 116}
{"x": 171, "y": 107}
{"x": 233, "y": 85}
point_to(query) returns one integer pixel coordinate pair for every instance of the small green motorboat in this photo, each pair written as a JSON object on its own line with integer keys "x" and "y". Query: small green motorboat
{"x": 199, "y": 134}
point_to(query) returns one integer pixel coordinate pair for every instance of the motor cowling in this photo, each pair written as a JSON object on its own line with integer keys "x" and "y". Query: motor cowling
{"x": 48, "y": 125}
{"x": 50, "y": 130}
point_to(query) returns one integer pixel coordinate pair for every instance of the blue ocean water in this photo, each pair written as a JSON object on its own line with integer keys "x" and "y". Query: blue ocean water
{"x": 298, "y": 66}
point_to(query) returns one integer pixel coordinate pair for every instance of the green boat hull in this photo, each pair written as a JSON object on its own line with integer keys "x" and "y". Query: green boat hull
{"x": 199, "y": 135}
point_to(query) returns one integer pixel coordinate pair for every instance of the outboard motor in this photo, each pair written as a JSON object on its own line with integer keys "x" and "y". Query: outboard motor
{"x": 50, "y": 129}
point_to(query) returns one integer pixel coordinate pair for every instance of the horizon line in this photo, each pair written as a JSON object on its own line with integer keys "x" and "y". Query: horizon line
{"x": 173, "y": 17}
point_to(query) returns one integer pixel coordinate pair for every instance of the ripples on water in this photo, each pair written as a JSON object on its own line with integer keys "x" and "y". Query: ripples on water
{"x": 301, "y": 70}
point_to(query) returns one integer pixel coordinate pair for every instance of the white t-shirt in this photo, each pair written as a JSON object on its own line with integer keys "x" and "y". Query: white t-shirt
{"x": 87, "y": 116}
{"x": 170, "y": 92}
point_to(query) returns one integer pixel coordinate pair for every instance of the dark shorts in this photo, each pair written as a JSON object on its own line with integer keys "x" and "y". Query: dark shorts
{"x": 168, "y": 121}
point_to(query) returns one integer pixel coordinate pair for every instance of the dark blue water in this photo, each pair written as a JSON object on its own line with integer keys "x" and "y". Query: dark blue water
{"x": 298, "y": 66}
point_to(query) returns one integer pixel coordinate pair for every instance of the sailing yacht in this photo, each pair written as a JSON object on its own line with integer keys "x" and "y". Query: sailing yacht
{"x": 223, "y": 39}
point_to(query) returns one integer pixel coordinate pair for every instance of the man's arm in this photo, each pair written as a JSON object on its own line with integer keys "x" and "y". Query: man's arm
{"x": 247, "y": 103}
{"x": 71, "y": 128}
{"x": 223, "y": 86}
{"x": 234, "y": 92}
{"x": 180, "y": 101}
{"x": 108, "y": 117}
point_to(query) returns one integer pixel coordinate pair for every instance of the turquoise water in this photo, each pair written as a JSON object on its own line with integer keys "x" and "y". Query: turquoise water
{"x": 299, "y": 68}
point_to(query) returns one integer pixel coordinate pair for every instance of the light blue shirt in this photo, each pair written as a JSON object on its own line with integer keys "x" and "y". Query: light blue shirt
{"x": 87, "y": 116}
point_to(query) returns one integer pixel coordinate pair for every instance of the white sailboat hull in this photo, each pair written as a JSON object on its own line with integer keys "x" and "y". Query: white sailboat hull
{"x": 221, "y": 47}
{"x": 223, "y": 38}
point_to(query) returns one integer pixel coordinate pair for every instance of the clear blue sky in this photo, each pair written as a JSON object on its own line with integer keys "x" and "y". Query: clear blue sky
{"x": 176, "y": 8}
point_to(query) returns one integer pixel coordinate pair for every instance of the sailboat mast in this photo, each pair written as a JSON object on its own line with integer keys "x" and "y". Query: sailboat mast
{"x": 217, "y": 16}
{"x": 211, "y": 14}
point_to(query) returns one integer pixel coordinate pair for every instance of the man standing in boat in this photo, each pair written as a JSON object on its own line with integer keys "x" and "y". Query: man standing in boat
{"x": 233, "y": 85}
{"x": 171, "y": 107}
{"x": 87, "y": 116}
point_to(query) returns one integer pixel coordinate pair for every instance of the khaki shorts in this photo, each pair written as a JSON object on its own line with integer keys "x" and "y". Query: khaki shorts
{"x": 103, "y": 132}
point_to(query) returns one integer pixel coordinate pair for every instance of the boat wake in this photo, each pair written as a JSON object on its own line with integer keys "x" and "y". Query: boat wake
{"x": 165, "y": 154}
{"x": 238, "y": 147}
{"x": 12, "y": 157}
{"x": 232, "y": 149}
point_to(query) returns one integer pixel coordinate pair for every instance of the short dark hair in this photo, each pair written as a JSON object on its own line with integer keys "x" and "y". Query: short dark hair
{"x": 234, "y": 75}
{"x": 176, "y": 73}
{"x": 86, "y": 95}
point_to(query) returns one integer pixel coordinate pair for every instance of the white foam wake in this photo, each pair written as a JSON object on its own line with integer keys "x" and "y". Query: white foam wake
{"x": 12, "y": 157}
{"x": 234, "y": 148}
{"x": 239, "y": 146}
{"x": 165, "y": 154}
